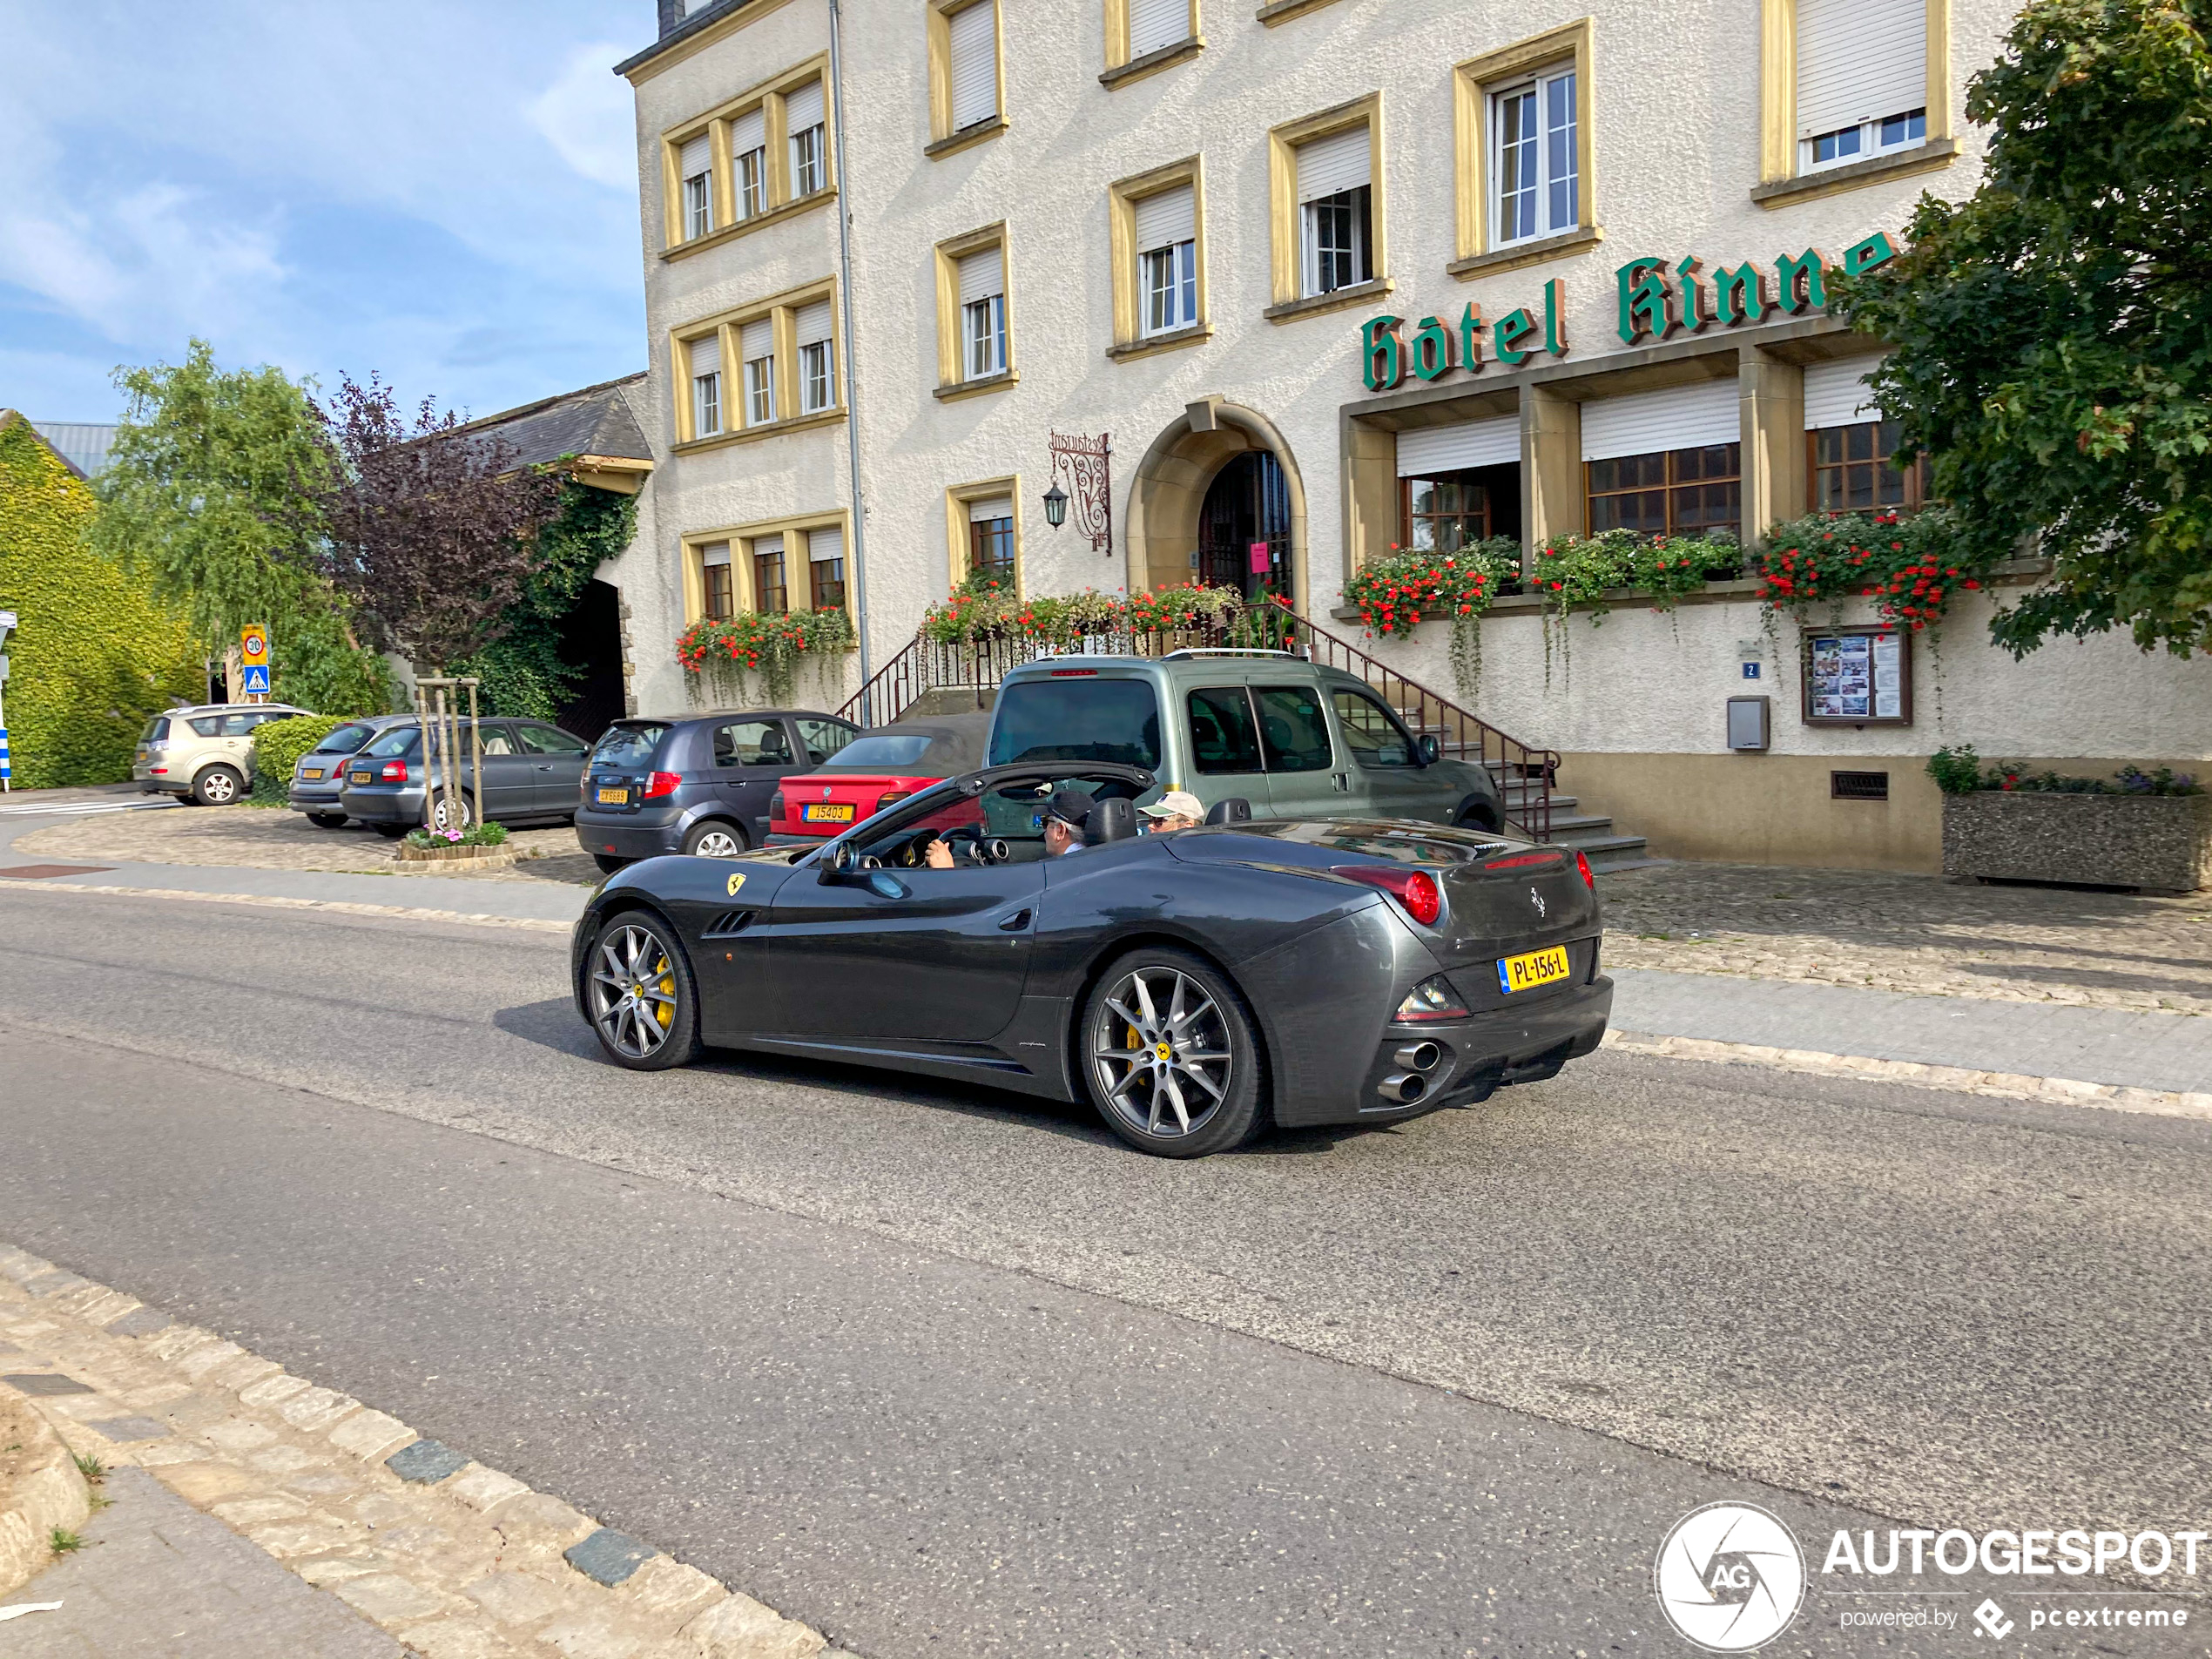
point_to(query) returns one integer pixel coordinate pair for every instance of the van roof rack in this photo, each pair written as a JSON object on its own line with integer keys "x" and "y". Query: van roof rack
{"x": 1224, "y": 651}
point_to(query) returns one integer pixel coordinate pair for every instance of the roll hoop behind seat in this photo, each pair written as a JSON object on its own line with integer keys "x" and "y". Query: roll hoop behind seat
{"x": 1109, "y": 820}
{"x": 1234, "y": 810}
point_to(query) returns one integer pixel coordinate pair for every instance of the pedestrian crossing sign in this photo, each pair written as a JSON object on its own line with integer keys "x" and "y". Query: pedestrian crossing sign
{"x": 6, "y": 769}
{"x": 257, "y": 679}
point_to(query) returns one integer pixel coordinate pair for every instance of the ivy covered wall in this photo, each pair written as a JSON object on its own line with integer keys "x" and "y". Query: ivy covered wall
{"x": 93, "y": 656}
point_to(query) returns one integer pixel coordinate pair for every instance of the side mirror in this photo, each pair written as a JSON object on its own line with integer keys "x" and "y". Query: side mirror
{"x": 1427, "y": 748}
{"x": 840, "y": 862}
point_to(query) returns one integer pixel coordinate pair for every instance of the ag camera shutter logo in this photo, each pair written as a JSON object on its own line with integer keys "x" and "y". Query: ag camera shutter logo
{"x": 1729, "y": 1577}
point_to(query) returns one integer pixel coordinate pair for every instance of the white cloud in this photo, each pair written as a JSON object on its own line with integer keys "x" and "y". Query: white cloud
{"x": 586, "y": 115}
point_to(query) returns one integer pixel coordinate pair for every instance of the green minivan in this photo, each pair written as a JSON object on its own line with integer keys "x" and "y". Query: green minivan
{"x": 1294, "y": 738}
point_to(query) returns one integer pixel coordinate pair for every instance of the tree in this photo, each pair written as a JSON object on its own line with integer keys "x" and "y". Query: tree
{"x": 2053, "y": 331}
{"x": 433, "y": 530}
{"x": 212, "y": 492}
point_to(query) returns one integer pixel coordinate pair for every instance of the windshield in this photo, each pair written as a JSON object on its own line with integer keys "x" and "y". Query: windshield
{"x": 1073, "y": 718}
{"x": 628, "y": 745}
{"x": 157, "y": 729}
{"x": 1012, "y": 811}
{"x": 890, "y": 749}
{"x": 345, "y": 739}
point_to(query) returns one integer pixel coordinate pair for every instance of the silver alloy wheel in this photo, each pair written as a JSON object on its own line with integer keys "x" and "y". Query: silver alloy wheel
{"x": 1160, "y": 1049}
{"x": 718, "y": 844}
{"x": 218, "y": 788}
{"x": 451, "y": 813}
{"x": 633, "y": 991}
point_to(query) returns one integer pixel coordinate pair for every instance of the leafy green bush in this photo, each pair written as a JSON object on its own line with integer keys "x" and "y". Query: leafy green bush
{"x": 277, "y": 748}
{"x": 1958, "y": 771}
{"x": 94, "y": 654}
{"x": 491, "y": 834}
{"x": 770, "y": 643}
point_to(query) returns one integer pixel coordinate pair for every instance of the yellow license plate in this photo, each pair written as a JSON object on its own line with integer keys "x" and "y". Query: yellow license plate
{"x": 614, "y": 798}
{"x": 831, "y": 811}
{"x": 312, "y": 773}
{"x": 1532, "y": 969}
{"x": 359, "y": 777}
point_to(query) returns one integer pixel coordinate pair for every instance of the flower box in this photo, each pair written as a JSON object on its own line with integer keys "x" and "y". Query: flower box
{"x": 425, "y": 861}
{"x": 2162, "y": 842}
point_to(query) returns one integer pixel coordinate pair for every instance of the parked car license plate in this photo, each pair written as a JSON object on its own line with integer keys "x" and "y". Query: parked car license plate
{"x": 312, "y": 773}
{"x": 614, "y": 798}
{"x": 826, "y": 811}
{"x": 1532, "y": 969}
{"x": 358, "y": 778}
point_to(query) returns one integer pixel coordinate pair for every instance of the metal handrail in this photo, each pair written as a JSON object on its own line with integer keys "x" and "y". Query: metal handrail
{"x": 926, "y": 664}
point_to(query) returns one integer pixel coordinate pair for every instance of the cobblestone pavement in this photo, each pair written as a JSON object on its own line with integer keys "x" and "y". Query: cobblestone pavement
{"x": 1911, "y": 932}
{"x": 266, "y": 839}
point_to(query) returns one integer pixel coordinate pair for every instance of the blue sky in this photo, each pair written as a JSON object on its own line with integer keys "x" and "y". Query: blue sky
{"x": 444, "y": 191}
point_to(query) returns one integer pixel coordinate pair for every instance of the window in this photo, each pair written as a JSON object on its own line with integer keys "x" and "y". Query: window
{"x": 1851, "y": 469}
{"x": 1151, "y": 26}
{"x": 1373, "y": 732}
{"x": 749, "y": 155}
{"x": 551, "y": 740}
{"x": 826, "y": 568}
{"x": 721, "y": 602}
{"x": 1293, "y": 732}
{"x": 1862, "y": 87}
{"x": 990, "y": 543}
{"x": 1445, "y": 513}
{"x": 823, "y": 738}
{"x": 1167, "y": 252}
{"x": 752, "y": 743}
{"x": 1535, "y": 158}
{"x": 208, "y": 726}
{"x": 1114, "y": 720}
{"x": 817, "y": 359}
{"x": 1333, "y": 211}
{"x": 629, "y": 746}
{"x": 969, "y": 41}
{"x": 343, "y": 741}
{"x": 1223, "y": 739}
{"x": 696, "y": 169}
{"x": 706, "y": 386}
{"x": 757, "y": 342}
{"x": 803, "y": 120}
{"x": 1671, "y": 492}
{"x": 982, "y": 312}
{"x": 768, "y": 594}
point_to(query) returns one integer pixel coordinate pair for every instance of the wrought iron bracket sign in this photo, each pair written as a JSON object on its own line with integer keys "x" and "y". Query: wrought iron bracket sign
{"x": 1088, "y": 463}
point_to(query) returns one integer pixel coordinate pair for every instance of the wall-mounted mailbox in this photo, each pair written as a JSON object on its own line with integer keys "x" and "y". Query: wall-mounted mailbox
{"x": 1747, "y": 722}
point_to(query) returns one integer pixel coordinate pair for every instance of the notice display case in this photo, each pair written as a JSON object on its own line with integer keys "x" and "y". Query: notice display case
{"x": 1857, "y": 675}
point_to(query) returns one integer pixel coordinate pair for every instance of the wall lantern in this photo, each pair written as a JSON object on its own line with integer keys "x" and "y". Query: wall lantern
{"x": 1055, "y": 506}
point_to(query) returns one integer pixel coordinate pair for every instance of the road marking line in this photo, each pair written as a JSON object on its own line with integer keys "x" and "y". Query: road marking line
{"x": 411, "y": 912}
{"x": 2006, "y": 1085}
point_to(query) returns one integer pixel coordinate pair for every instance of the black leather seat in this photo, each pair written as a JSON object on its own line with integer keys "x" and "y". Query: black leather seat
{"x": 1109, "y": 820}
{"x": 1234, "y": 810}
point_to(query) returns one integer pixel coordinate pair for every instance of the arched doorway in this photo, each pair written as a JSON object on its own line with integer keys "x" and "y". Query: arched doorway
{"x": 1244, "y": 526}
{"x": 1216, "y": 479}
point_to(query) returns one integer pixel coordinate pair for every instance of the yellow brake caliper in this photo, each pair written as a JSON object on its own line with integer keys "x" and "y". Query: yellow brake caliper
{"x": 665, "y": 1012}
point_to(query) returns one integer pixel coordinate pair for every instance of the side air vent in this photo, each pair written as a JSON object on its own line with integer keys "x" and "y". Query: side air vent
{"x": 730, "y": 922}
{"x": 1858, "y": 785}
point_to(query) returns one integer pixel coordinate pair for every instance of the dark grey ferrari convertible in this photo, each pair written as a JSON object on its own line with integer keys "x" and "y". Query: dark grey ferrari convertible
{"x": 1196, "y": 987}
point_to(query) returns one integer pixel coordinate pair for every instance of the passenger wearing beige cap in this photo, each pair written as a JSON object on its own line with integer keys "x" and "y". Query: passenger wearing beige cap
{"x": 1176, "y": 810}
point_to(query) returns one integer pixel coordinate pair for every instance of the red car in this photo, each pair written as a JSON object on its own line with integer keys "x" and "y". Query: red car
{"x": 873, "y": 770}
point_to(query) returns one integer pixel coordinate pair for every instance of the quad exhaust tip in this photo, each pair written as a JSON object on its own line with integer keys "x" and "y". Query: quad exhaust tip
{"x": 1403, "y": 1087}
{"x": 1418, "y": 1057}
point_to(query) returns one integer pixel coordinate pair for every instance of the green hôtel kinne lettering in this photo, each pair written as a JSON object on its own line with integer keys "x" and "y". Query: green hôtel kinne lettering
{"x": 1658, "y": 298}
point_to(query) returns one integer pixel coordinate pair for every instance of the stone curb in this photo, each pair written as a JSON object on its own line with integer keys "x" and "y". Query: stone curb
{"x": 412, "y": 913}
{"x": 467, "y": 862}
{"x": 2058, "y": 1091}
{"x": 453, "y": 1559}
{"x": 51, "y": 1492}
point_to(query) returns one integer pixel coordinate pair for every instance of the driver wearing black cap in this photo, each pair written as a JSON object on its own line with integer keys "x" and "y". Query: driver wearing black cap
{"x": 1064, "y": 822}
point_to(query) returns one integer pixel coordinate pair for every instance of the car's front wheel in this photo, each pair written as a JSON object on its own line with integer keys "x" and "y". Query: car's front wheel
{"x": 328, "y": 820}
{"x": 714, "y": 840}
{"x": 1172, "y": 1055}
{"x": 644, "y": 1003}
{"x": 217, "y": 786}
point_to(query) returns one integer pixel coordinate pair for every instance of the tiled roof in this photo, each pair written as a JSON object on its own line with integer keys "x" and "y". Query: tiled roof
{"x": 597, "y": 421}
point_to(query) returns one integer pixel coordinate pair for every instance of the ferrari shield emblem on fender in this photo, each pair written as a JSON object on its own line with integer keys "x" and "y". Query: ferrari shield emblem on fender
{"x": 736, "y": 881}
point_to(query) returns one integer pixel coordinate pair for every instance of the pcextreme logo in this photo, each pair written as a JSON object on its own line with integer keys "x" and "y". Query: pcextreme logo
{"x": 1729, "y": 1577}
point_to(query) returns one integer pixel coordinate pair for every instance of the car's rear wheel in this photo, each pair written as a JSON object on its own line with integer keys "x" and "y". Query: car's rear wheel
{"x": 644, "y": 1003}
{"x": 1171, "y": 1055}
{"x": 453, "y": 812}
{"x": 217, "y": 786}
{"x": 328, "y": 820}
{"x": 714, "y": 840}
{"x": 392, "y": 831}
{"x": 608, "y": 863}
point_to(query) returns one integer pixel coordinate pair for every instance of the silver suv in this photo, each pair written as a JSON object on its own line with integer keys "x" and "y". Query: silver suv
{"x": 203, "y": 753}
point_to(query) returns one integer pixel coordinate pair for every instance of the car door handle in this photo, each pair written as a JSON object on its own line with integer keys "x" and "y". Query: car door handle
{"x": 1014, "y": 923}
{"x": 1341, "y": 782}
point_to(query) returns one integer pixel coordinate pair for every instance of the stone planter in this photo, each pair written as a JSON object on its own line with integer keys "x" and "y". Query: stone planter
{"x": 451, "y": 860}
{"x": 2162, "y": 842}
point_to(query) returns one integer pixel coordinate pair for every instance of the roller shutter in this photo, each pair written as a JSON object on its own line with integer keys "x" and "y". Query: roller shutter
{"x": 1332, "y": 165}
{"x": 706, "y": 355}
{"x": 760, "y": 339}
{"x": 1680, "y": 418}
{"x": 697, "y": 157}
{"x": 1169, "y": 218}
{"x": 803, "y": 108}
{"x": 715, "y": 553}
{"x": 814, "y": 323}
{"x": 1836, "y": 394}
{"x": 984, "y": 512}
{"x": 975, "y": 65}
{"x": 982, "y": 275}
{"x": 1155, "y": 24}
{"x": 1430, "y": 450}
{"x": 1859, "y": 60}
{"x": 827, "y": 544}
{"x": 749, "y": 132}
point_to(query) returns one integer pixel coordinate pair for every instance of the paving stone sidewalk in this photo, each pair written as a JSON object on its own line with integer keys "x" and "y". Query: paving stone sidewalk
{"x": 1920, "y": 934}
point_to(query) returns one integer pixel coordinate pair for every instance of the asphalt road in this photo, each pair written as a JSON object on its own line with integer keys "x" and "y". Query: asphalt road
{"x": 941, "y": 1372}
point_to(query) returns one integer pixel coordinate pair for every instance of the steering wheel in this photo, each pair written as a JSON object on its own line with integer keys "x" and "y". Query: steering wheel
{"x": 979, "y": 848}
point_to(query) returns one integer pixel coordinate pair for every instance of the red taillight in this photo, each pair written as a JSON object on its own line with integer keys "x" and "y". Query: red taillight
{"x": 659, "y": 784}
{"x": 159, "y": 771}
{"x": 1415, "y": 889}
{"x": 1519, "y": 860}
{"x": 891, "y": 795}
{"x": 1074, "y": 673}
{"x": 394, "y": 771}
{"x": 1590, "y": 876}
{"x": 776, "y": 808}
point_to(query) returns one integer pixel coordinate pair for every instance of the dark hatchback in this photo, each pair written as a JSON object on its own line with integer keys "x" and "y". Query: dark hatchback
{"x": 701, "y": 784}
{"x": 321, "y": 773}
